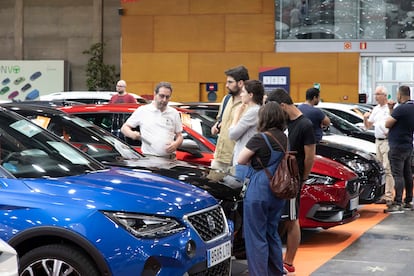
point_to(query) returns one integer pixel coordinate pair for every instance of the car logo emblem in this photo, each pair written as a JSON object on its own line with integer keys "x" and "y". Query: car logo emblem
{"x": 211, "y": 223}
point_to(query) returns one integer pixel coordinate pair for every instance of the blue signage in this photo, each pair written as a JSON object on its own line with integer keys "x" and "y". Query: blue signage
{"x": 211, "y": 86}
{"x": 273, "y": 77}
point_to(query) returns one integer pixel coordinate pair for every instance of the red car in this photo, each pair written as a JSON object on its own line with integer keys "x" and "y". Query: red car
{"x": 328, "y": 198}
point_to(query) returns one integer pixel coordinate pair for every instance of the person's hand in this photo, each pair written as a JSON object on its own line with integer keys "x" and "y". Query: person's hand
{"x": 391, "y": 104}
{"x": 171, "y": 148}
{"x": 238, "y": 112}
{"x": 215, "y": 128}
{"x": 136, "y": 135}
{"x": 366, "y": 115}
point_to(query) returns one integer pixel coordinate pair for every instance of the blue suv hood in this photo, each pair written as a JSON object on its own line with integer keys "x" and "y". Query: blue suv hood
{"x": 123, "y": 189}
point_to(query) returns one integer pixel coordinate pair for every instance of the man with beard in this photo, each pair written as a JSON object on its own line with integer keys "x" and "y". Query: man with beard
{"x": 160, "y": 125}
{"x": 223, "y": 154}
{"x": 400, "y": 140}
{"x": 122, "y": 96}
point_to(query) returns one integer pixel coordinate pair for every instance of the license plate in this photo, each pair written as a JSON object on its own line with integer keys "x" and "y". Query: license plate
{"x": 353, "y": 203}
{"x": 218, "y": 254}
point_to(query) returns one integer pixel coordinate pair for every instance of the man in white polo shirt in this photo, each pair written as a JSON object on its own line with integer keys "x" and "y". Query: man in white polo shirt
{"x": 160, "y": 125}
{"x": 377, "y": 118}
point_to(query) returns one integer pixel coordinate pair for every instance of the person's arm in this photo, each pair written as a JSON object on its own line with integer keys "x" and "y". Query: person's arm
{"x": 367, "y": 123}
{"x": 309, "y": 159}
{"x": 326, "y": 121}
{"x": 129, "y": 132}
{"x": 390, "y": 122}
{"x": 176, "y": 143}
{"x": 238, "y": 114}
{"x": 244, "y": 156}
{"x": 215, "y": 129}
{"x": 237, "y": 130}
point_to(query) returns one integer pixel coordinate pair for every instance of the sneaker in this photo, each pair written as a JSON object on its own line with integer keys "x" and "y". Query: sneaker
{"x": 288, "y": 270}
{"x": 394, "y": 209}
{"x": 408, "y": 206}
{"x": 389, "y": 203}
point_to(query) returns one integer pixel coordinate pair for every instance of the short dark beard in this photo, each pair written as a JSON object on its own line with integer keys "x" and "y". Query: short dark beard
{"x": 235, "y": 93}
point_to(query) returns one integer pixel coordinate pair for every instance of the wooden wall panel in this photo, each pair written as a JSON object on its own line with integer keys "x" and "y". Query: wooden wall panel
{"x": 137, "y": 34}
{"x": 208, "y": 67}
{"x": 250, "y": 33}
{"x": 348, "y": 68}
{"x": 198, "y": 40}
{"x": 328, "y": 69}
{"x": 185, "y": 92}
{"x": 140, "y": 88}
{"x": 155, "y": 7}
{"x": 155, "y": 67}
{"x": 225, "y": 6}
{"x": 189, "y": 33}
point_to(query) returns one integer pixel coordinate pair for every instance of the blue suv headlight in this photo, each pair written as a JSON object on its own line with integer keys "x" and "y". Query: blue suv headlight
{"x": 144, "y": 226}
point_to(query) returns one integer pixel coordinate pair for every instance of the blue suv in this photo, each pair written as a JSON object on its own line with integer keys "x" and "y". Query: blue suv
{"x": 67, "y": 214}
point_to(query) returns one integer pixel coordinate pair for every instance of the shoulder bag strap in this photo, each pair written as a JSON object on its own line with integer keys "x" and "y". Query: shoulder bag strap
{"x": 226, "y": 100}
{"x": 277, "y": 141}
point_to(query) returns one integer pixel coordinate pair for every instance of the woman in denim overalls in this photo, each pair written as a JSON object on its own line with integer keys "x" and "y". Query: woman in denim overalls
{"x": 262, "y": 209}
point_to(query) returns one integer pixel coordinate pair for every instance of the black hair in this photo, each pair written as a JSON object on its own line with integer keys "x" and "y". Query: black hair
{"x": 163, "y": 84}
{"x": 404, "y": 90}
{"x": 279, "y": 95}
{"x": 238, "y": 73}
{"x": 312, "y": 93}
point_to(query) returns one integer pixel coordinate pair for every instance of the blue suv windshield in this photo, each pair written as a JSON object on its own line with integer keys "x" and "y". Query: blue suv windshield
{"x": 27, "y": 150}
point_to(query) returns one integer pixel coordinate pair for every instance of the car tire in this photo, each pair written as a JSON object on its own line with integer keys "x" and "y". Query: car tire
{"x": 44, "y": 261}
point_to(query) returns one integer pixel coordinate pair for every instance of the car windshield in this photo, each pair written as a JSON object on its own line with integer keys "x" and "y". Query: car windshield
{"x": 341, "y": 124}
{"x": 27, "y": 150}
{"x": 89, "y": 138}
{"x": 200, "y": 123}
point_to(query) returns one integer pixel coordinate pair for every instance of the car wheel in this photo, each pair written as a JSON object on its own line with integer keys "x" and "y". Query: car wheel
{"x": 56, "y": 259}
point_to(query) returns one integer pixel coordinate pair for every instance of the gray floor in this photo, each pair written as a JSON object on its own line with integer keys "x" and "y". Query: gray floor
{"x": 386, "y": 249}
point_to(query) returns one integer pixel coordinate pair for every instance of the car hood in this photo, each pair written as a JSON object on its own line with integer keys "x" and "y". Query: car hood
{"x": 121, "y": 189}
{"x": 203, "y": 177}
{"x": 350, "y": 142}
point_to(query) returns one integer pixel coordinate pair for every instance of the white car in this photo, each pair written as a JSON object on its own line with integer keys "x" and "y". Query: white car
{"x": 88, "y": 97}
{"x": 359, "y": 144}
{"x": 8, "y": 260}
{"x": 350, "y": 112}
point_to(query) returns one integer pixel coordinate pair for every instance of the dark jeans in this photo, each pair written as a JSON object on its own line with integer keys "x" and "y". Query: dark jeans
{"x": 400, "y": 161}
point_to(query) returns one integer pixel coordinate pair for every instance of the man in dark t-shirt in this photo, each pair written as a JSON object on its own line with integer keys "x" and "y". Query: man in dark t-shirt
{"x": 301, "y": 139}
{"x": 317, "y": 117}
{"x": 400, "y": 140}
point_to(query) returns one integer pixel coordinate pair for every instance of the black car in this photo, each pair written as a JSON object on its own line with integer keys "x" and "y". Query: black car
{"x": 341, "y": 126}
{"x": 362, "y": 163}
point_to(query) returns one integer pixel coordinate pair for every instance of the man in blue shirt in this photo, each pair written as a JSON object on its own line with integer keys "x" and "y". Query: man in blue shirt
{"x": 400, "y": 140}
{"x": 317, "y": 117}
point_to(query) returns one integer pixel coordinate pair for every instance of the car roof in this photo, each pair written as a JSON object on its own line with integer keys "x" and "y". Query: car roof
{"x": 25, "y": 106}
{"x": 347, "y": 107}
{"x": 78, "y": 95}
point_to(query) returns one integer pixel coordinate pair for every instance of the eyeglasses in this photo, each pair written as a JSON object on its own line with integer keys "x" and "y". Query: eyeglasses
{"x": 162, "y": 96}
{"x": 379, "y": 94}
{"x": 120, "y": 86}
{"x": 230, "y": 81}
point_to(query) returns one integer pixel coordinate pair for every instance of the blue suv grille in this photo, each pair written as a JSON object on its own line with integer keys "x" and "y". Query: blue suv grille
{"x": 208, "y": 224}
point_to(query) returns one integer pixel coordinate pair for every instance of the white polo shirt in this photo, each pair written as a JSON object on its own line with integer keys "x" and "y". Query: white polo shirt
{"x": 158, "y": 129}
{"x": 378, "y": 116}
